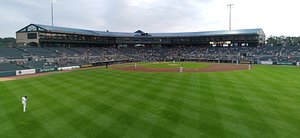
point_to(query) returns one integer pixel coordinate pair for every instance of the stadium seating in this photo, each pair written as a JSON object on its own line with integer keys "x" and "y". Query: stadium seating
{"x": 39, "y": 64}
{"x": 11, "y": 53}
{"x": 9, "y": 67}
{"x": 37, "y": 51}
{"x": 64, "y": 51}
{"x": 45, "y": 57}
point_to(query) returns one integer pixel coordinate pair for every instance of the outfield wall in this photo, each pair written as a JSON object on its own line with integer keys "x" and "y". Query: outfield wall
{"x": 46, "y": 70}
{"x": 8, "y": 74}
{"x": 43, "y": 70}
{"x": 25, "y": 72}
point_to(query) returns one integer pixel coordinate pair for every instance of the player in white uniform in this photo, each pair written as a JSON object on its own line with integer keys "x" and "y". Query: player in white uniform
{"x": 250, "y": 65}
{"x": 181, "y": 69}
{"x": 24, "y": 100}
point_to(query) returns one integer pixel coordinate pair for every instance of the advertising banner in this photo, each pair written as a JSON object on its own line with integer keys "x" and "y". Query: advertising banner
{"x": 25, "y": 72}
{"x": 47, "y": 70}
{"x": 68, "y": 68}
{"x": 86, "y": 65}
{"x": 245, "y": 62}
{"x": 266, "y": 62}
{"x": 285, "y": 63}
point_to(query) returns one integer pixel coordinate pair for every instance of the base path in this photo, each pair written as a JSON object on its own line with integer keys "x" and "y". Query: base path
{"x": 210, "y": 68}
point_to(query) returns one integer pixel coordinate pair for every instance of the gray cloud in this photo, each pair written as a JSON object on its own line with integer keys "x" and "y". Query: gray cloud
{"x": 147, "y": 15}
{"x": 115, "y": 15}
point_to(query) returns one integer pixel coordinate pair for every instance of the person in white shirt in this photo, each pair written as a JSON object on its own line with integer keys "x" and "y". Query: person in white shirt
{"x": 250, "y": 65}
{"x": 24, "y": 100}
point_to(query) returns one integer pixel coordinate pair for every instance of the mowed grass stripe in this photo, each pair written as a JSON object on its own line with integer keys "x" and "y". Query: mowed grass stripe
{"x": 76, "y": 108}
{"x": 88, "y": 102}
{"x": 137, "y": 90}
{"x": 267, "y": 103}
{"x": 22, "y": 120}
{"x": 53, "y": 107}
{"x": 56, "y": 96}
{"x": 225, "y": 126}
{"x": 268, "y": 106}
{"x": 166, "y": 99}
{"x": 280, "y": 108}
{"x": 248, "y": 114}
{"x": 7, "y": 122}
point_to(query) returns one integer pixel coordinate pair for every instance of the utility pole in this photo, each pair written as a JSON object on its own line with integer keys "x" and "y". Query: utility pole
{"x": 52, "y": 3}
{"x": 52, "y": 13}
{"x": 230, "y": 6}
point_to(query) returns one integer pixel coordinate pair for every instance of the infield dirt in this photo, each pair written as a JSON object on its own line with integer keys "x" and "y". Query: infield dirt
{"x": 210, "y": 68}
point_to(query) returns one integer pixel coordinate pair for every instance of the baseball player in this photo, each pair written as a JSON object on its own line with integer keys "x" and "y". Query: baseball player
{"x": 24, "y": 100}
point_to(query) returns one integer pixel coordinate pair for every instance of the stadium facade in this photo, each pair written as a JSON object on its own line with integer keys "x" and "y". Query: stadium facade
{"x": 44, "y": 35}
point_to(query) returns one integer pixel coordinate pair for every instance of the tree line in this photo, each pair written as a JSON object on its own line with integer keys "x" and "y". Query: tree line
{"x": 283, "y": 41}
{"x": 7, "y": 42}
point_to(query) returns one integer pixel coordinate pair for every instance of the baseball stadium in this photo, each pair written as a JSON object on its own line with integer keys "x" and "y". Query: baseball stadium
{"x": 86, "y": 83}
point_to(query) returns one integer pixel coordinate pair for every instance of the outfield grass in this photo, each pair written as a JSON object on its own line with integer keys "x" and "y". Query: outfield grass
{"x": 173, "y": 65}
{"x": 264, "y": 102}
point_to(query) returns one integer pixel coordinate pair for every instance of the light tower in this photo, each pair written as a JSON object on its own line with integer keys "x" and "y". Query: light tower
{"x": 230, "y": 6}
{"x": 52, "y": 3}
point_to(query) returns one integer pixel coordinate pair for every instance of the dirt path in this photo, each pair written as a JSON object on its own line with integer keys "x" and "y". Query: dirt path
{"x": 210, "y": 68}
{"x": 25, "y": 76}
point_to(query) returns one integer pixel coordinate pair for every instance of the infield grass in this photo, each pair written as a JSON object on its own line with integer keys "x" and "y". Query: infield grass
{"x": 264, "y": 102}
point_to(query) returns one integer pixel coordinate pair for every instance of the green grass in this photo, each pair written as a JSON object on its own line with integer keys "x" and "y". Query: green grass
{"x": 173, "y": 65}
{"x": 264, "y": 102}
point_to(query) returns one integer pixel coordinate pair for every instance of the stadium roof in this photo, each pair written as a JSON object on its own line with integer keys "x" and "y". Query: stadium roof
{"x": 57, "y": 29}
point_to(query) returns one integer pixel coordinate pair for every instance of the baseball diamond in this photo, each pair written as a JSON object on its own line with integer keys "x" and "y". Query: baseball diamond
{"x": 149, "y": 69}
{"x": 103, "y": 84}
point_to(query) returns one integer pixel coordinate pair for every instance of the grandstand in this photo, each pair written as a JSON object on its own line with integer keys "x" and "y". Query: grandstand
{"x": 11, "y": 53}
{"x": 10, "y": 67}
{"x": 38, "y": 64}
{"x": 41, "y": 52}
{"x": 17, "y": 58}
{"x": 64, "y": 51}
{"x": 44, "y": 35}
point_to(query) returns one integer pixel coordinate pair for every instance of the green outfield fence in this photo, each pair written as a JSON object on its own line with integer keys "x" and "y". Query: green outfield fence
{"x": 7, "y": 73}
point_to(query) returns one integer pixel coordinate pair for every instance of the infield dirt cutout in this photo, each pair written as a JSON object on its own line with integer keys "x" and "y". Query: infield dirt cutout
{"x": 209, "y": 68}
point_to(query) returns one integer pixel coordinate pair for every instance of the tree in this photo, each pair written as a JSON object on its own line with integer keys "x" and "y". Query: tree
{"x": 283, "y": 41}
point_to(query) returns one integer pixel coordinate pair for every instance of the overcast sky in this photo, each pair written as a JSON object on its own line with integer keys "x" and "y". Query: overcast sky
{"x": 275, "y": 17}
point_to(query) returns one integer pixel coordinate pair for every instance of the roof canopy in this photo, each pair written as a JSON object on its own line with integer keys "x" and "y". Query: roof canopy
{"x": 56, "y": 29}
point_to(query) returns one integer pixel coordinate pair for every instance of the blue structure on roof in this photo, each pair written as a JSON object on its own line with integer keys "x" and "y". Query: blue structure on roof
{"x": 45, "y": 34}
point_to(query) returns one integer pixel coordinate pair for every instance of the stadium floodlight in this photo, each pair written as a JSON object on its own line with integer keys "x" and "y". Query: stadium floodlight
{"x": 52, "y": 3}
{"x": 230, "y": 6}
